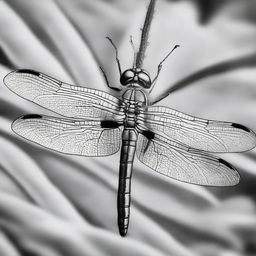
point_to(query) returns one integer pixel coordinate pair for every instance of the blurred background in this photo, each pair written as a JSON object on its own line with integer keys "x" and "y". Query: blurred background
{"x": 54, "y": 204}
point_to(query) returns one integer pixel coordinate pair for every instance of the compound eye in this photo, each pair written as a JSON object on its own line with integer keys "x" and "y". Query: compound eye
{"x": 144, "y": 79}
{"x": 126, "y": 77}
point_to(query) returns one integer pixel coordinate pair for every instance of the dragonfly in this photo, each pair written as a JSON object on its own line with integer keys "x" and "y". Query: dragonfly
{"x": 94, "y": 123}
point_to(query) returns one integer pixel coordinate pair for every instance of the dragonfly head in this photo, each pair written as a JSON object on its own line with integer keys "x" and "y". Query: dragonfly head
{"x": 136, "y": 76}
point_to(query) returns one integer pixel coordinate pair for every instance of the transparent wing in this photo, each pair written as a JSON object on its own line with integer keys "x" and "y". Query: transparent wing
{"x": 207, "y": 135}
{"x": 69, "y": 136}
{"x": 185, "y": 164}
{"x": 62, "y": 98}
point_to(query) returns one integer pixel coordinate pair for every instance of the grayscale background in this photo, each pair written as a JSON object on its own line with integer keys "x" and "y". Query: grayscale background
{"x": 53, "y": 204}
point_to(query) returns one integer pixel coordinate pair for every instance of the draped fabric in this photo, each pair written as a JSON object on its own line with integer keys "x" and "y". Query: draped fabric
{"x": 55, "y": 204}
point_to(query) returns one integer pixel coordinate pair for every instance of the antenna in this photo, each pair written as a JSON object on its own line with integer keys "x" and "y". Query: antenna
{"x": 134, "y": 51}
{"x": 144, "y": 34}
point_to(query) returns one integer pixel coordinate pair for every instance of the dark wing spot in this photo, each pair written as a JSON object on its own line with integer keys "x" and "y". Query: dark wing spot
{"x": 148, "y": 134}
{"x": 239, "y": 126}
{"x": 28, "y": 71}
{"x": 31, "y": 116}
{"x": 109, "y": 124}
{"x": 226, "y": 163}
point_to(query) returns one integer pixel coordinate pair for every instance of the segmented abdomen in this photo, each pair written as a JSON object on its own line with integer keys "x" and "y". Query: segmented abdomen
{"x": 125, "y": 173}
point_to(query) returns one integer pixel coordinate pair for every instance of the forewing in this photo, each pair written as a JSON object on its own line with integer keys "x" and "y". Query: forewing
{"x": 62, "y": 98}
{"x": 185, "y": 164}
{"x": 207, "y": 135}
{"x": 77, "y": 137}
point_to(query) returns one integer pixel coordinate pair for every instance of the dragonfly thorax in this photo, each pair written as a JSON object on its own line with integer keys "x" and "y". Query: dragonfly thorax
{"x": 136, "y": 95}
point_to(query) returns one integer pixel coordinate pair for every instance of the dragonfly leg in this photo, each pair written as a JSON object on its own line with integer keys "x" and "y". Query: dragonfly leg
{"x": 160, "y": 67}
{"x": 107, "y": 82}
{"x": 116, "y": 51}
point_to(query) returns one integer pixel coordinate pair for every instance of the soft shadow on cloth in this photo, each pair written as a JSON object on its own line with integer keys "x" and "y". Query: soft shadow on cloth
{"x": 55, "y": 204}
